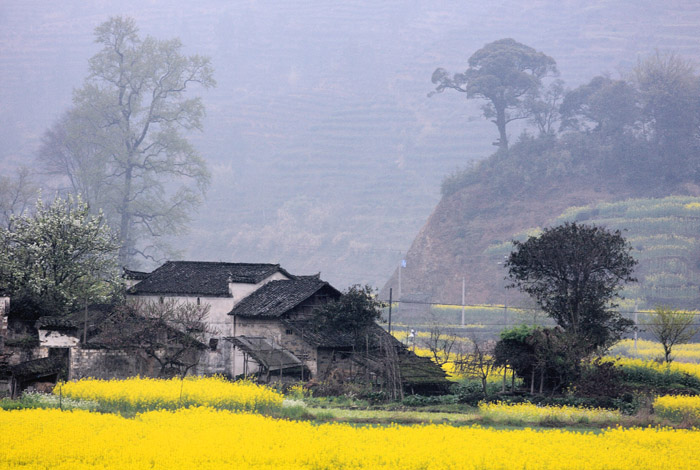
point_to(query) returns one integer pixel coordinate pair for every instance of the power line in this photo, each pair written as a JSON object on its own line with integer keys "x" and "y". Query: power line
{"x": 513, "y": 307}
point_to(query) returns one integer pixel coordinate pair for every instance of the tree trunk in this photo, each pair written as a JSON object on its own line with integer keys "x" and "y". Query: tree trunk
{"x": 541, "y": 380}
{"x": 125, "y": 222}
{"x": 501, "y": 124}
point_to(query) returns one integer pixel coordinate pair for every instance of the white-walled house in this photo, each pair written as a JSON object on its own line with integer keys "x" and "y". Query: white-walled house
{"x": 260, "y": 321}
{"x": 217, "y": 284}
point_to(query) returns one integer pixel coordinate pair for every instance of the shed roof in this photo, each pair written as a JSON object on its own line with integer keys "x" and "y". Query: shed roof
{"x": 324, "y": 337}
{"x": 277, "y": 297}
{"x": 36, "y": 368}
{"x": 203, "y": 278}
{"x": 270, "y": 356}
{"x": 418, "y": 373}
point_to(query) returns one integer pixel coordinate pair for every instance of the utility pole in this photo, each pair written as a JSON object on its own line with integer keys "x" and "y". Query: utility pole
{"x": 462, "y": 300}
{"x": 390, "y": 300}
{"x": 636, "y": 323}
{"x": 401, "y": 265}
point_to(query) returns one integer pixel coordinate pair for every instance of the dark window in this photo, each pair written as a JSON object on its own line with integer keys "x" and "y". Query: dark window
{"x": 213, "y": 344}
{"x": 161, "y": 300}
{"x": 289, "y": 332}
{"x": 198, "y": 301}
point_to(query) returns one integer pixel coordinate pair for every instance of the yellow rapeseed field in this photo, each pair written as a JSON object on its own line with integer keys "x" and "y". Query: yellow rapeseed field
{"x": 673, "y": 367}
{"x": 678, "y": 407}
{"x": 140, "y": 394}
{"x": 453, "y": 372}
{"x": 652, "y": 350}
{"x": 207, "y": 439}
{"x": 529, "y": 413}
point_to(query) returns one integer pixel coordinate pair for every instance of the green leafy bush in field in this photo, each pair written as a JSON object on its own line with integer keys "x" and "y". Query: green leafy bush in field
{"x": 660, "y": 376}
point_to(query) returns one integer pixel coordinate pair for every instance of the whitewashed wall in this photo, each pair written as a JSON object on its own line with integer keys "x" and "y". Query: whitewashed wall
{"x": 222, "y": 359}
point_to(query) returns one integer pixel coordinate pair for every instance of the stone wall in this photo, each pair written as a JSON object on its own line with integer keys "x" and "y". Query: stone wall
{"x": 218, "y": 359}
{"x": 107, "y": 364}
{"x": 4, "y": 311}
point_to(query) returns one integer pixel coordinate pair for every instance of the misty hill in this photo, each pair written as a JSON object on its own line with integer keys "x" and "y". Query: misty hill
{"x": 325, "y": 151}
{"x": 586, "y": 177}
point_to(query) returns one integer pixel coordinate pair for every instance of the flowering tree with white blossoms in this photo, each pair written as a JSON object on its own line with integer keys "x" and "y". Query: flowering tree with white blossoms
{"x": 58, "y": 258}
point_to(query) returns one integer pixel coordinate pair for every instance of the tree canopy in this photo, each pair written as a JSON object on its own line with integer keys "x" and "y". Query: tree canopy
{"x": 574, "y": 272}
{"x": 122, "y": 143}
{"x": 353, "y": 312}
{"x": 58, "y": 257}
{"x": 602, "y": 105}
{"x": 671, "y": 327}
{"x": 505, "y": 73}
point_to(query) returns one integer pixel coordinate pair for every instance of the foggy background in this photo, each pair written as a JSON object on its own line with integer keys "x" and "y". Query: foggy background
{"x": 326, "y": 154}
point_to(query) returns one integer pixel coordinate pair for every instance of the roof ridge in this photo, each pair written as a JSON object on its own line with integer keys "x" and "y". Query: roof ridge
{"x": 218, "y": 262}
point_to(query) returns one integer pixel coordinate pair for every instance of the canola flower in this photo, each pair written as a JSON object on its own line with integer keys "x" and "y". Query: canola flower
{"x": 208, "y": 439}
{"x": 140, "y": 394}
{"x": 641, "y": 365}
{"x": 530, "y": 413}
{"x": 454, "y": 373}
{"x": 652, "y": 350}
{"x": 678, "y": 407}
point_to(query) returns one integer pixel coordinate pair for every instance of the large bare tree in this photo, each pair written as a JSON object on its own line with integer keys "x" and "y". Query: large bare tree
{"x": 123, "y": 145}
{"x": 171, "y": 333}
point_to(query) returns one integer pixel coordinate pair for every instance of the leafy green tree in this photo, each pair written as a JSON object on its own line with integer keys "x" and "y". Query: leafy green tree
{"x": 505, "y": 73}
{"x": 544, "y": 108}
{"x": 671, "y": 327}
{"x": 574, "y": 273}
{"x": 602, "y": 105}
{"x": 355, "y": 311}
{"x": 122, "y": 143}
{"x": 515, "y": 351}
{"x": 670, "y": 103}
{"x": 58, "y": 258}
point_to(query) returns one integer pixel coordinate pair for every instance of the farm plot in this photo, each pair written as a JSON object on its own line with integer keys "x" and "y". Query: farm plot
{"x": 205, "y": 438}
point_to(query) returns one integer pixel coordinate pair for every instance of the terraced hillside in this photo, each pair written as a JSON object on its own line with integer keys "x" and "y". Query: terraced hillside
{"x": 326, "y": 153}
{"x": 665, "y": 236}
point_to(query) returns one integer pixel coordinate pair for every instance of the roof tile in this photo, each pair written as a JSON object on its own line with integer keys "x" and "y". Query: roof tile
{"x": 203, "y": 278}
{"x": 277, "y": 297}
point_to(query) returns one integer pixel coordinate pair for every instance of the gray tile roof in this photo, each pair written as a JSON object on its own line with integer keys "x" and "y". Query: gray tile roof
{"x": 277, "y": 297}
{"x": 202, "y": 278}
{"x": 134, "y": 275}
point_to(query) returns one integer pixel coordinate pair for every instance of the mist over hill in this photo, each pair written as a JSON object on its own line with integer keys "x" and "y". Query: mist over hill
{"x": 325, "y": 151}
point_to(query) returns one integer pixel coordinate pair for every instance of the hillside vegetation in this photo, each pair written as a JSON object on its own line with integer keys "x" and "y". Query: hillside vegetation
{"x": 620, "y": 149}
{"x": 665, "y": 236}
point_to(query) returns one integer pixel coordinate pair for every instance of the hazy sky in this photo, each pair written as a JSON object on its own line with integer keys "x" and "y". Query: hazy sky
{"x": 327, "y": 154}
